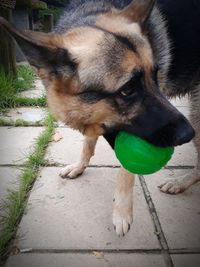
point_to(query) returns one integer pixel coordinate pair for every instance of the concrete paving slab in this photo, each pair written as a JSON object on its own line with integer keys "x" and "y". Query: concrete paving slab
{"x": 8, "y": 181}
{"x": 191, "y": 260}
{"x": 68, "y": 150}
{"x": 77, "y": 214}
{"x": 179, "y": 214}
{"x": 28, "y": 114}
{"x": 184, "y": 155}
{"x": 86, "y": 260}
{"x": 185, "y": 111}
{"x": 183, "y": 105}
{"x": 180, "y": 102}
{"x": 16, "y": 143}
{"x": 38, "y": 90}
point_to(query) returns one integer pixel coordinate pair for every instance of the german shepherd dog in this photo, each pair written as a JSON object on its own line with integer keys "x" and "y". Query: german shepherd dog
{"x": 108, "y": 66}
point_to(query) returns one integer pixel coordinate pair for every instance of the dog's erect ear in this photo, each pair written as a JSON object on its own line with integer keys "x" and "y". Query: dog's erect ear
{"x": 138, "y": 11}
{"x": 42, "y": 49}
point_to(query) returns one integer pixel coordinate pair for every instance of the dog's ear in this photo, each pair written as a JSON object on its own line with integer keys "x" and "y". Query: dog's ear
{"x": 42, "y": 49}
{"x": 138, "y": 11}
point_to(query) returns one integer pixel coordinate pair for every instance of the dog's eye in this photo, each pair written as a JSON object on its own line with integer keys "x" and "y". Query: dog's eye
{"x": 127, "y": 92}
{"x": 134, "y": 85}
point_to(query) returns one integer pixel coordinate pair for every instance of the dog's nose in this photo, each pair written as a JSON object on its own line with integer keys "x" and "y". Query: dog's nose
{"x": 175, "y": 133}
{"x": 183, "y": 132}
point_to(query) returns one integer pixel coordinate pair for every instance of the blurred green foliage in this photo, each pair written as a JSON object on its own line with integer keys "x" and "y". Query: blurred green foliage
{"x": 58, "y": 3}
{"x": 51, "y": 10}
{"x": 33, "y": 4}
{"x": 54, "y": 7}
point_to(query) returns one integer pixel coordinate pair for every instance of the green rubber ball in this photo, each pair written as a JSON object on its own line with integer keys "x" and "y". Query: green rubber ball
{"x": 138, "y": 156}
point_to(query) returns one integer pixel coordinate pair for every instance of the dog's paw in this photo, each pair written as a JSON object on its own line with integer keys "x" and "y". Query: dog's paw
{"x": 72, "y": 171}
{"x": 179, "y": 184}
{"x": 172, "y": 186}
{"x": 121, "y": 222}
{"x": 122, "y": 214}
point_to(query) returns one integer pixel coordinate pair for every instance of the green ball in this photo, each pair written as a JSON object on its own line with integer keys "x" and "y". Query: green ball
{"x": 138, "y": 156}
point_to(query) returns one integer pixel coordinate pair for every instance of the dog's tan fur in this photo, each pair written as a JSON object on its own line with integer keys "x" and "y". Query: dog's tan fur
{"x": 85, "y": 118}
{"x": 123, "y": 202}
{"x": 72, "y": 171}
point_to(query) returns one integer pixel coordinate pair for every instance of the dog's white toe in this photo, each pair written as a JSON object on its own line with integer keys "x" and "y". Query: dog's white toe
{"x": 72, "y": 171}
{"x": 122, "y": 213}
{"x": 121, "y": 222}
{"x": 171, "y": 187}
{"x": 180, "y": 184}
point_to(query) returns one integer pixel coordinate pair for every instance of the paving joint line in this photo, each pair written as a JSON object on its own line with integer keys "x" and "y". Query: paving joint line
{"x": 158, "y": 228}
{"x": 185, "y": 251}
{"x": 56, "y": 164}
{"x": 85, "y": 251}
{"x": 49, "y": 165}
{"x": 128, "y": 251}
{"x": 25, "y": 126}
{"x": 179, "y": 167}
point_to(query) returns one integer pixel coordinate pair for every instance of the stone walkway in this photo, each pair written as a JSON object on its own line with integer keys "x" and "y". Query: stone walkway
{"x": 68, "y": 223}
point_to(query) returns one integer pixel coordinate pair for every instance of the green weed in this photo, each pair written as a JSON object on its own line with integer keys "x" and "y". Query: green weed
{"x": 10, "y": 85}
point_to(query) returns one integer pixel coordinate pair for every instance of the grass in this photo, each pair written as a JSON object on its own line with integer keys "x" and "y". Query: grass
{"x": 20, "y": 123}
{"x": 26, "y": 102}
{"x": 25, "y": 78}
{"x": 15, "y": 203}
{"x": 7, "y": 90}
{"x": 10, "y": 86}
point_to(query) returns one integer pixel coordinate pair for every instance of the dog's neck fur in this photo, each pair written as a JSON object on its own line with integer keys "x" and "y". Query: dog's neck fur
{"x": 85, "y": 13}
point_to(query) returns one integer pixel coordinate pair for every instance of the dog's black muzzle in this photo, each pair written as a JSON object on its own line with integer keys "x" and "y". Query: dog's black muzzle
{"x": 174, "y": 133}
{"x": 157, "y": 122}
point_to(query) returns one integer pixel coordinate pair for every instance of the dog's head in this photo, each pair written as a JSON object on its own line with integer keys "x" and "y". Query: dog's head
{"x": 104, "y": 78}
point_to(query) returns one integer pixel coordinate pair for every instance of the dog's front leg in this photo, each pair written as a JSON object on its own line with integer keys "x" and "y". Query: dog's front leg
{"x": 73, "y": 170}
{"x": 123, "y": 202}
